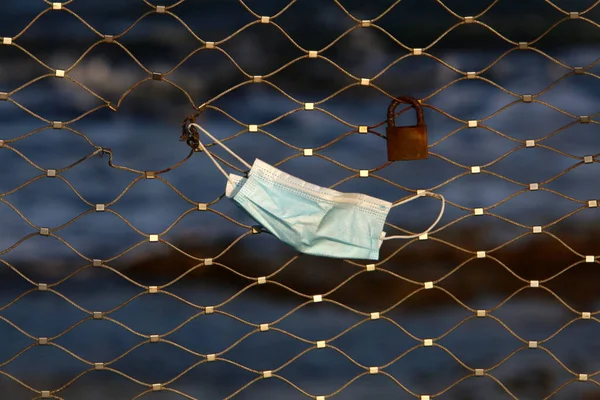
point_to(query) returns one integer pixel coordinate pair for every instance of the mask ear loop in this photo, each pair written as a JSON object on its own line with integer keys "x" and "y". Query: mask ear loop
{"x": 439, "y": 217}
{"x": 227, "y": 149}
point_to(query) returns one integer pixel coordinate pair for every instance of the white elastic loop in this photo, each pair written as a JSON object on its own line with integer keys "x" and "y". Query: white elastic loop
{"x": 227, "y": 149}
{"x": 439, "y": 217}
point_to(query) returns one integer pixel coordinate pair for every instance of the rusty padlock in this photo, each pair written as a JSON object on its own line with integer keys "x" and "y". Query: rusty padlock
{"x": 406, "y": 142}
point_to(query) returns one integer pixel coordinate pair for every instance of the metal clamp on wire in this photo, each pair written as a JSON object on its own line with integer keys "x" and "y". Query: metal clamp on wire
{"x": 189, "y": 134}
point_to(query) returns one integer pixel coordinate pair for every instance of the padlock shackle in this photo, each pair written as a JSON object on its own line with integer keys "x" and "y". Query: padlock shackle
{"x": 405, "y": 100}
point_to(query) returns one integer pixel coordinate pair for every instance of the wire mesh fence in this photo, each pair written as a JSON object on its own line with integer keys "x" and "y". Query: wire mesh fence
{"x": 128, "y": 274}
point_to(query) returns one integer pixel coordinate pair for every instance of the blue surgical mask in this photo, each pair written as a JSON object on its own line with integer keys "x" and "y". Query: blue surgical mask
{"x": 312, "y": 219}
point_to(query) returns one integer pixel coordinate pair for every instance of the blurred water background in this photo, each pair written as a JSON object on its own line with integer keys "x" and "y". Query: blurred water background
{"x": 144, "y": 134}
